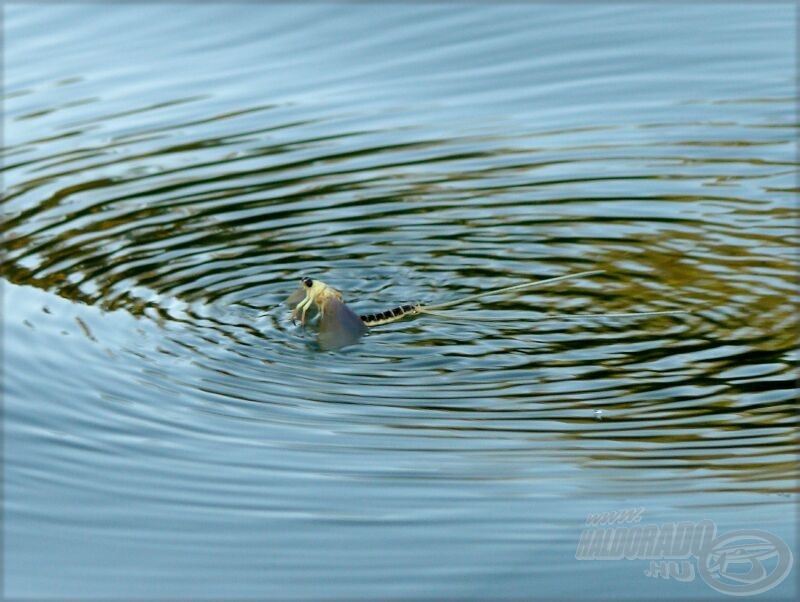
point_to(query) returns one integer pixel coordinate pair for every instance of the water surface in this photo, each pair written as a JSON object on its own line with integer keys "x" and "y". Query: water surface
{"x": 171, "y": 171}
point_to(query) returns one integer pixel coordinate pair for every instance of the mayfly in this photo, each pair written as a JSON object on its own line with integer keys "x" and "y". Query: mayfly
{"x": 340, "y": 326}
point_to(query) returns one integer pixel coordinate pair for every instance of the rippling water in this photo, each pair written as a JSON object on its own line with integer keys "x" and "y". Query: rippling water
{"x": 170, "y": 172}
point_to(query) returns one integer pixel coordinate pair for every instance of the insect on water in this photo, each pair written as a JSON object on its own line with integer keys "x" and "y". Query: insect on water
{"x": 339, "y": 326}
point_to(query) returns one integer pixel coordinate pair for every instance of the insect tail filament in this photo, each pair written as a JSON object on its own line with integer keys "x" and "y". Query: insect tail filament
{"x": 515, "y": 287}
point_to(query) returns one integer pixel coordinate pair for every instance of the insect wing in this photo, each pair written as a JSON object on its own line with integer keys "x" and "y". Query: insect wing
{"x": 339, "y": 326}
{"x": 297, "y": 296}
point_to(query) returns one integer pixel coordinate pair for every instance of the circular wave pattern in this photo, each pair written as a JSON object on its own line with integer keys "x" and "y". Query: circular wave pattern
{"x": 183, "y": 221}
{"x": 214, "y": 251}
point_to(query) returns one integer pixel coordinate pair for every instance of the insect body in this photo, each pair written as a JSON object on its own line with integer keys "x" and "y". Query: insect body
{"x": 390, "y": 315}
{"x": 340, "y": 326}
